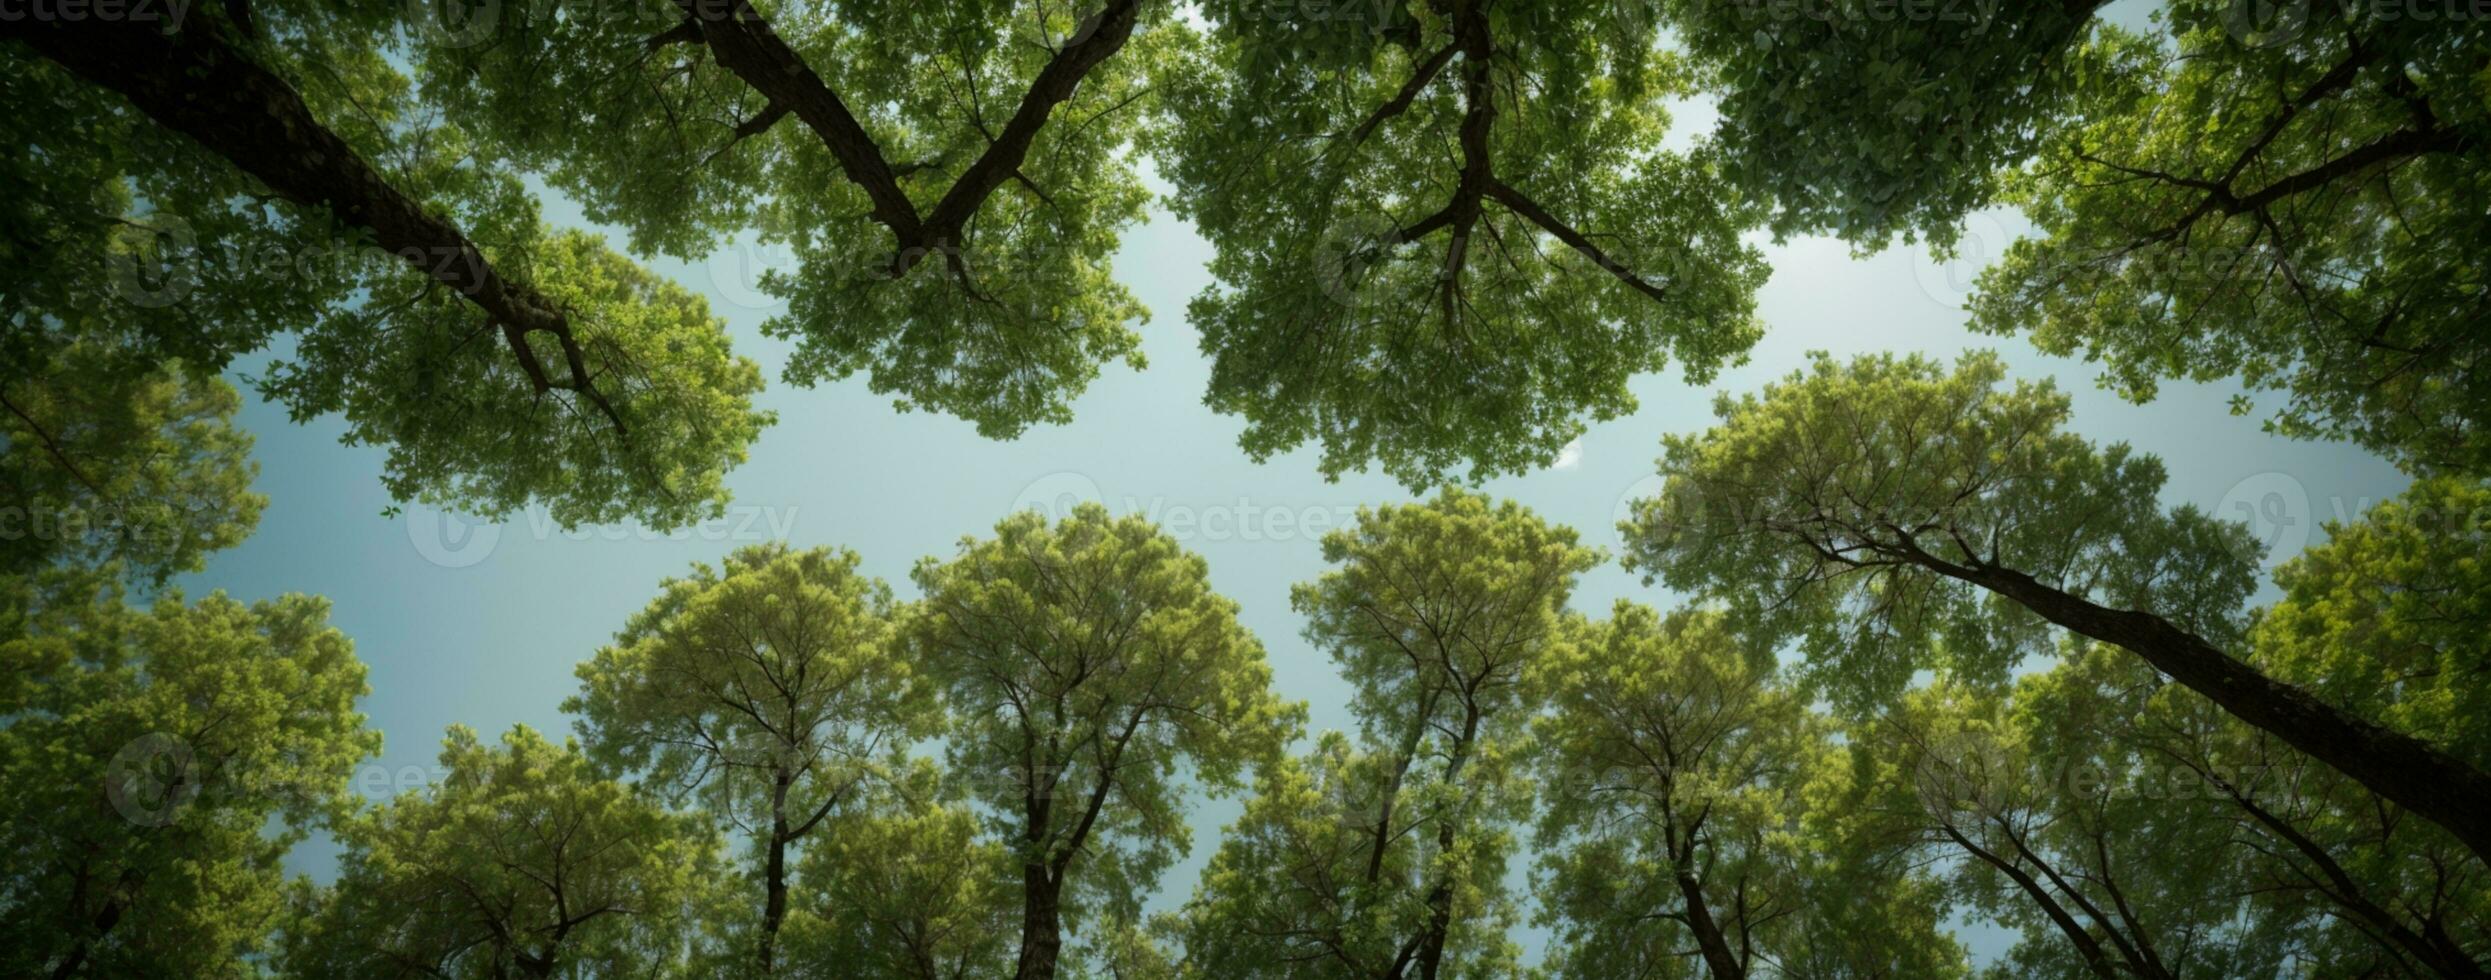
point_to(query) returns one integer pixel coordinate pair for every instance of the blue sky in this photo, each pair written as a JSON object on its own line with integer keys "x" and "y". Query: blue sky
{"x": 481, "y": 625}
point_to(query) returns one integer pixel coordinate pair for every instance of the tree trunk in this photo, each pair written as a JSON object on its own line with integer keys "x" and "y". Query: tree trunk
{"x": 1723, "y": 964}
{"x": 1440, "y": 895}
{"x": 105, "y": 919}
{"x": 2407, "y": 771}
{"x": 774, "y": 878}
{"x": 1042, "y": 922}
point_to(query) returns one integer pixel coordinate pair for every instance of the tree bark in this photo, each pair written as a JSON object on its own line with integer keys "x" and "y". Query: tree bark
{"x": 1042, "y": 922}
{"x": 193, "y": 83}
{"x": 1440, "y": 895}
{"x": 774, "y": 880}
{"x": 1718, "y": 958}
{"x": 2405, "y": 770}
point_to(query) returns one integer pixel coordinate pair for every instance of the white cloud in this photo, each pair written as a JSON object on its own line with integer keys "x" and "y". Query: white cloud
{"x": 1569, "y": 457}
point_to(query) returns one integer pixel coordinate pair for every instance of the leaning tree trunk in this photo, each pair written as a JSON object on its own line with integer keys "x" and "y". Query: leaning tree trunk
{"x": 1718, "y": 958}
{"x": 2407, "y": 771}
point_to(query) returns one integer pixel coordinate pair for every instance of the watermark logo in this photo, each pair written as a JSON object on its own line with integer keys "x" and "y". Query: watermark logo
{"x": 1057, "y": 495}
{"x": 1949, "y": 275}
{"x": 2275, "y": 506}
{"x": 151, "y": 779}
{"x": 1622, "y": 512}
{"x": 448, "y": 540}
{"x": 153, "y": 264}
{"x": 455, "y": 23}
{"x": 2266, "y": 23}
{"x": 741, "y": 272}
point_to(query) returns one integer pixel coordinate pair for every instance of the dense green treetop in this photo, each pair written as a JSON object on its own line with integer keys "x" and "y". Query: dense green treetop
{"x": 910, "y": 886}
{"x": 1684, "y": 817}
{"x": 135, "y": 466}
{"x": 2388, "y": 616}
{"x": 1800, "y": 511}
{"x": 1443, "y": 238}
{"x": 155, "y": 767}
{"x": 1390, "y": 856}
{"x": 768, "y": 689}
{"x": 522, "y": 860}
{"x": 1868, "y": 118}
{"x": 2280, "y": 207}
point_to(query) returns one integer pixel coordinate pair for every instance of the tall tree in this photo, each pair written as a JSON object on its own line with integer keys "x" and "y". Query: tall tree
{"x": 1893, "y": 515}
{"x": 1388, "y": 859}
{"x": 319, "y": 198}
{"x": 155, "y": 767}
{"x": 521, "y": 861}
{"x": 766, "y": 688}
{"x": 949, "y": 179}
{"x": 1442, "y": 237}
{"x": 2229, "y": 203}
{"x": 1088, "y": 667}
{"x": 1682, "y": 782}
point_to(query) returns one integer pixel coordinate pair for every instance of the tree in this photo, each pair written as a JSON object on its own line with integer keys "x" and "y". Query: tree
{"x": 1388, "y": 859}
{"x": 949, "y": 179}
{"x": 1442, "y": 237}
{"x": 766, "y": 687}
{"x": 2242, "y": 190}
{"x": 316, "y": 199}
{"x": 2228, "y": 203}
{"x": 522, "y": 860}
{"x": 133, "y": 466}
{"x": 1865, "y": 119}
{"x": 2387, "y": 616}
{"x": 1087, "y": 665}
{"x": 155, "y": 767}
{"x": 1893, "y": 516}
{"x": 1685, "y": 785}
{"x": 907, "y": 886}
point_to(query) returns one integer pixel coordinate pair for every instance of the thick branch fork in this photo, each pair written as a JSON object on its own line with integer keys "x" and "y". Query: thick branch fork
{"x": 1478, "y": 181}
{"x": 745, "y": 45}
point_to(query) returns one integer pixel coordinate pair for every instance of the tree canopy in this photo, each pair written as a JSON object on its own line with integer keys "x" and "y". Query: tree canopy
{"x": 1924, "y": 654}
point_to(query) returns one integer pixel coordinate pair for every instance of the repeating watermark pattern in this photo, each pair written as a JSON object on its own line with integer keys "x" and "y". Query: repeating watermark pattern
{"x": 1243, "y": 518}
{"x": 2274, "y": 23}
{"x": 1874, "y": 11}
{"x": 103, "y": 524}
{"x": 168, "y": 13}
{"x": 2280, "y": 514}
{"x": 157, "y": 778}
{"x": 450, "y": 540}
{"x": 159, "y": 260}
